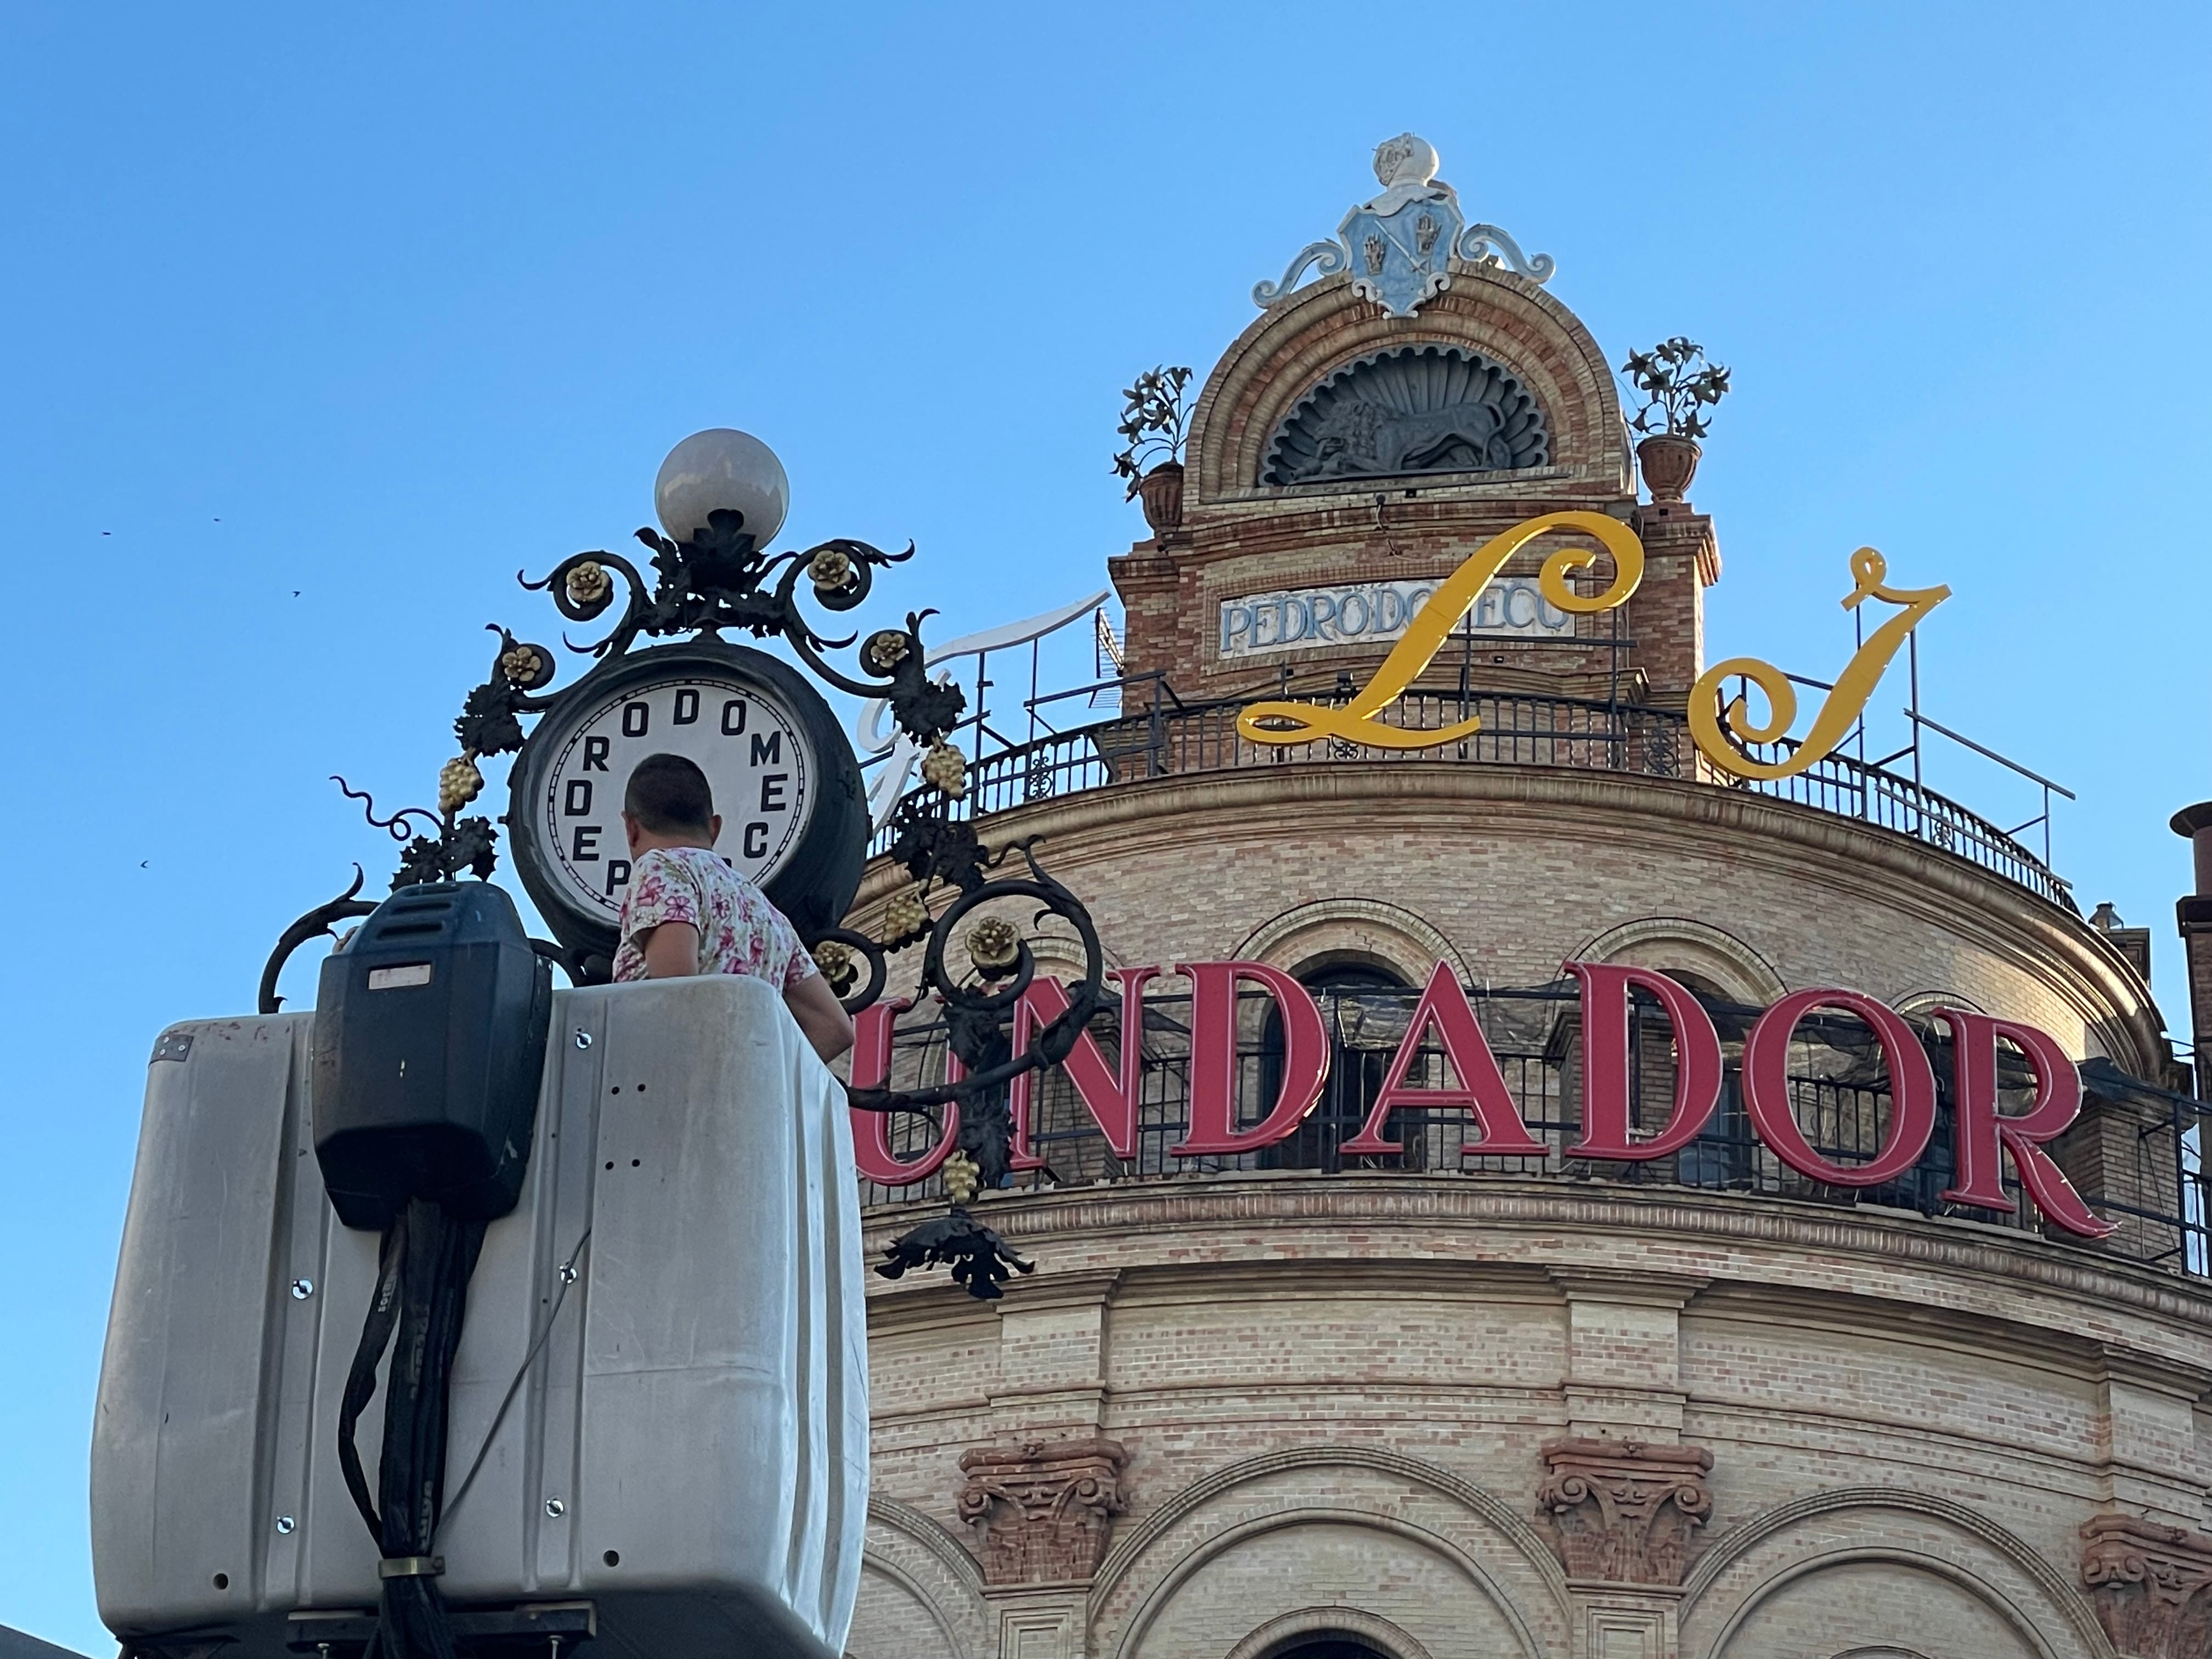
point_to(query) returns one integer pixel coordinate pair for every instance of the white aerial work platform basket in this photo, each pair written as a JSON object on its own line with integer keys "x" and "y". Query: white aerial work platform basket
{"x": 685, "y": 1458}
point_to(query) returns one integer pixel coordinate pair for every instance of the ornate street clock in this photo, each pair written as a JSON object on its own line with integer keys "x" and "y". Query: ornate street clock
{"x": 785, "y": 782}
{"x": 786, "y": 785}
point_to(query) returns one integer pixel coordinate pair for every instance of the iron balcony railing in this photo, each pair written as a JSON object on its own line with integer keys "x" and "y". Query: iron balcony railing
{"x": 2149, "y": 1181}
{"x": 1167, "y": 737}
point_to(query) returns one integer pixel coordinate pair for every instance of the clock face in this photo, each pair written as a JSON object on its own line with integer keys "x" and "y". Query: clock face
{"x": 745, "y": 739}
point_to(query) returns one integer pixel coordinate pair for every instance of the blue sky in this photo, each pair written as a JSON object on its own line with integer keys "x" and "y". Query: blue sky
{"x": 381, "y": 304}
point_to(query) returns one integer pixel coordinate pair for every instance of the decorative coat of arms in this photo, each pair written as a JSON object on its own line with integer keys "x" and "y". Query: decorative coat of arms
{"x": 1400, "y": 246}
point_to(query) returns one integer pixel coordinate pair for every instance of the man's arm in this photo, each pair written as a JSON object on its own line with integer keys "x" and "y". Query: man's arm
{"x": 670, "y": 949}
{"x": 820, "y": 1016}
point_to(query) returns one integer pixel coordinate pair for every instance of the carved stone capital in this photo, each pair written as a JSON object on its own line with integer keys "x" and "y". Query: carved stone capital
{"x": 1042, "y": 1511}
{"x": 2149, "y": 1584}
{"x": 1625, "y": 1510}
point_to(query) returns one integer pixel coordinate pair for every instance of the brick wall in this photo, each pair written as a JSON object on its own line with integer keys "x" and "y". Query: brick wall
{"x": 1408, "y": 1409}
{"x": 1340, "y": 1394}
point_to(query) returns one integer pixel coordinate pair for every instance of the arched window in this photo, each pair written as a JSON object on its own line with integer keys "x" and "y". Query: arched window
{"x": 1721, "y": 1155}
{"x": 1327, "y": 1646}
{"x": 1363, "y": 1008}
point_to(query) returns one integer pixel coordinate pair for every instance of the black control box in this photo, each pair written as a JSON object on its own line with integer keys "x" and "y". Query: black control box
{"x": 429, "y": 1041}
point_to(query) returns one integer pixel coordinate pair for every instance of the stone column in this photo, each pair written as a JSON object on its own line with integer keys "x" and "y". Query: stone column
{"x": 1622, "y": 1497}
{"x": 1052, "y": 1350}
{"x": 1041, "y": 1502}
{"x": 1623, "y": 1515}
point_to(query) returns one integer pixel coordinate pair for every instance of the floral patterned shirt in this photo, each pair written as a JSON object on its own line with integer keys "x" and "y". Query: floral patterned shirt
{"x": 739, "y": 930}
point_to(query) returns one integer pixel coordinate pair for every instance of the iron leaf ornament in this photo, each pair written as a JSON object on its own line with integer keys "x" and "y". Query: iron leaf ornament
{"x": 718, "y": 580}
{"x": 1677, "y": 385}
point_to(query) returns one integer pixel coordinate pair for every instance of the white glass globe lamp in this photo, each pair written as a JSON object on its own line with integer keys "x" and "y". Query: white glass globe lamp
{"x": 721, "y": 467}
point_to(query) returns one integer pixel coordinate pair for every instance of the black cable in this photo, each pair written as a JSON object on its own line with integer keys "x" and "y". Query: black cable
{"x": 427, "y": 1258}
{"x": 361, "y": 1380}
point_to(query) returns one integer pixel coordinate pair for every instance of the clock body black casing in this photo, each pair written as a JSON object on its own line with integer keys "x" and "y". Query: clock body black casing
{"x": 742, "y": 706}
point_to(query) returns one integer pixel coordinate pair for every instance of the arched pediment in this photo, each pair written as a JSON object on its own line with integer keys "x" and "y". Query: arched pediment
{"x": 1324, "y": 332}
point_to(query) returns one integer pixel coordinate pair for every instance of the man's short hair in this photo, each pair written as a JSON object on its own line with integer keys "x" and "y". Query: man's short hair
{"x": 669, "y": 795}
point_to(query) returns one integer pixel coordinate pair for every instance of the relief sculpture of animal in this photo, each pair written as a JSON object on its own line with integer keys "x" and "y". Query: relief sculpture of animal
{"x": 1359, "y": 439}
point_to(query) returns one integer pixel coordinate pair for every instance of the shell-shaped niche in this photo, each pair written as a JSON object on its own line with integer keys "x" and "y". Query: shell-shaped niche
{"x": 1411, "y": 409}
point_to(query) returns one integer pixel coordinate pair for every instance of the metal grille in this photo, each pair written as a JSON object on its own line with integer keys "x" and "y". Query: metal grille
{"x": 1839, "y": 1084}
{"x": 1169, "y": 739}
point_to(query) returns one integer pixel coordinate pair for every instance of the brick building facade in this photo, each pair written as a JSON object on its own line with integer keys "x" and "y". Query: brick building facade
{"x": 1300, "y": 1404}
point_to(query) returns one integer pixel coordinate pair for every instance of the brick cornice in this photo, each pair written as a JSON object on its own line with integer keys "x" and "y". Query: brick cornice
{"x": 1616, "y": 1286}
{"x": 1428, "y": 1216}
{"x": 1679, "y": 531}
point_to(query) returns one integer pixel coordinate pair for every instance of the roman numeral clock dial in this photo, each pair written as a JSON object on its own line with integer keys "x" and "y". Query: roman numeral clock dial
{"x": 784, "y": 780}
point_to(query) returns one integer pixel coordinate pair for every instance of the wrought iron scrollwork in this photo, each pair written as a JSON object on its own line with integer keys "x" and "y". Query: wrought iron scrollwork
{"x": 449, "y": 845}
{"x": 942, "y": 856}
{"x": 721, "y": 579}
{"x": 718, "y": 580}
{"x": 319, "y": 922}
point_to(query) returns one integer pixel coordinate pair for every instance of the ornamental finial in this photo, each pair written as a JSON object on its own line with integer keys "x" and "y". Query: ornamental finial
{"x": 1400, "y": 246}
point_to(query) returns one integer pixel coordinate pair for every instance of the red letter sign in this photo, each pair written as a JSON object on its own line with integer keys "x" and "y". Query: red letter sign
{"x": 871, "y": 1137}
{"x": 1110, "y": 1099}
{"x": 1979, "y": 1130}
{"x": 1481, "y": 1084}
{"x": 1605, "y": 1062}
{"x": 1912, "y": 1089}
{"x": 1213, "y": 1131}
